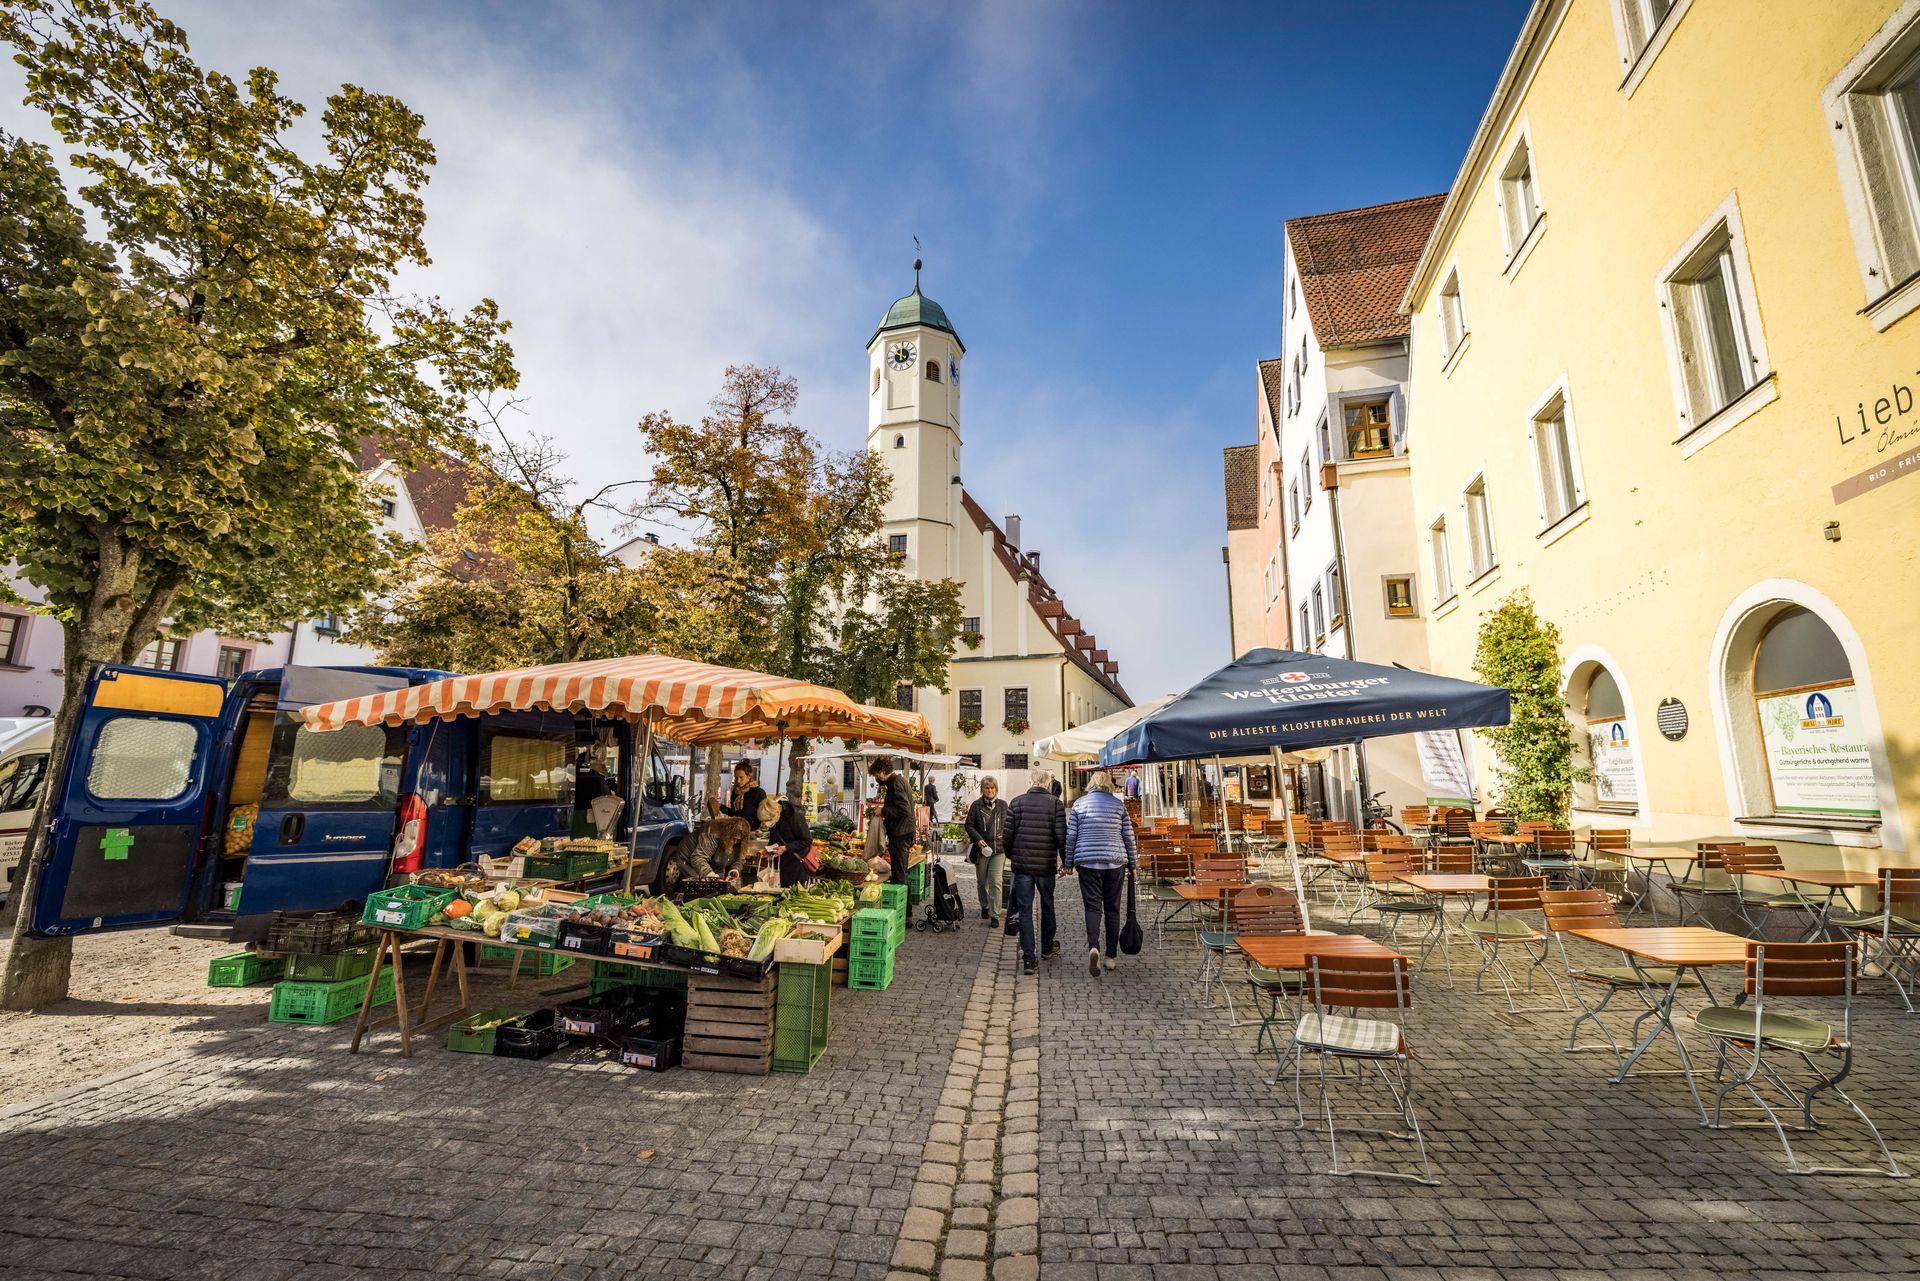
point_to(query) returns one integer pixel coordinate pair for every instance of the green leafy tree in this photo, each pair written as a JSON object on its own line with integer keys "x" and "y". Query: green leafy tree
{"x": 1520, "y": 651}
{"x": 185, "y": 378}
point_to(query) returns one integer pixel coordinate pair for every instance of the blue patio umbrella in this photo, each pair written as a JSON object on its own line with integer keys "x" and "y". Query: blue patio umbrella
{"x": 1281, "y": 700}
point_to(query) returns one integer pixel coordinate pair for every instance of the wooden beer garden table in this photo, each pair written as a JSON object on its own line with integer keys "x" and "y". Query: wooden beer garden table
{"x": 1192, "y": 894}
{"x": 1290, "y": 951}
{"x": 1682, "y": 949}
{"x": 1834, "y": 880}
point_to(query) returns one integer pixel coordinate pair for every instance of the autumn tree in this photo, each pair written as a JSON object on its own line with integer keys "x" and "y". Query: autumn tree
{"x": 186, "y": 373}
{"x": 793, "y": 531}
{"x": 518, "y": 579}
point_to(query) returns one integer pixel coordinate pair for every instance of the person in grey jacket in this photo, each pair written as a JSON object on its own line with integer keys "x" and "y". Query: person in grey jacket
{"x": 987, "y": 846}
{"x": 1101, "y": 850}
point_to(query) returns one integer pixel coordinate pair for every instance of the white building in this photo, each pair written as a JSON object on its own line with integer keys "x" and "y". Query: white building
{"x": 1351, "y": 560}
{"x": 32, "y": 646}
{"x": 1024, "y": 667}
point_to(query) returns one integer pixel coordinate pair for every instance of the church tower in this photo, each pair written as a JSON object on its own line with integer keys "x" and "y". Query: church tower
{"x": 913, "y": 423}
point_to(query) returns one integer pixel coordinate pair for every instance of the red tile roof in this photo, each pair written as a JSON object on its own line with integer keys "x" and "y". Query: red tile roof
{"x": 1354, "y": 267}
{"x": 1243, "y": 486}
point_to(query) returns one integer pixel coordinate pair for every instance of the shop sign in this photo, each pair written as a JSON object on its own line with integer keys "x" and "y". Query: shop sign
{"x": 1612, "y": 755}
{"x": 1887, "y": 426}
{"x": 1443, "y": 767}
{"x": 1817, "y": 754}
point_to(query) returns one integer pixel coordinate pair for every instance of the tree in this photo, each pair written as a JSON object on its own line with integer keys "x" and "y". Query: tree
{"x": 1521, "y": 652}
{"x": 518, "y": 580}
{"x": 184, "y": 389}
{"x": 792, "y": 531}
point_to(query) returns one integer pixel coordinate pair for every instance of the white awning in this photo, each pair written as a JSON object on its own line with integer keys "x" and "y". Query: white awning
{"x": 1083, "y": 742}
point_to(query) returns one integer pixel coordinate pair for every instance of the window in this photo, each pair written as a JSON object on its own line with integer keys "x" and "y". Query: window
{"x": 1319, "y": 615}
{"x": 1305, "y": 638}
{"x": 1015, "y": 760}
{"x": 1556, "y": 467}
{"x": 971, "y": 706}
{"x": 1453, "y": 315}
{"x": 1333, "y": 593}
{"x": 13, "y": 631}
{"x": 903, "y": 697}
{"x": 1610, "y": 750}
{"x": 1293, "y": 502}
{"x": 933, "y": 371}
{"x": 1480, "y": 555}
{"x": 162, "y": 654}
{"x": 846, "y": 767}
{"x": 1266, "y": 489}
{"x": 1643, "y": 27}
{"x": 21, "y": 780}
{"x": 876, "y": 383}
{"x": 328, "y": 624}
{"x": 1325, "y": 434}
{"x": 1306, "y": 475}
{"x": 1874, "y": 106}
{"x": 1272, "y": 578}
{"x": 900, "y": 442}
{"x": 1399, "y": 592}
{"x": 970, "y": 627}
{"x": 1016, "y": 705}
{"x": 1369, "y": 429}
{"x": 1817, "y": 758}
{"x": 358, "y": 765}
{"x": 138, "y": 758}
{"x": 1293, "y": 296}
{"x": 897, "y": 544}
{"x": 1519, "y": 195}
{"x": 522, "y": 764}
{"x": 232, "y": 661}
{"x": 388, "y": 507}
{"x": 970, "y": 759}
{"x": 1442, "y": 561}
{"x": 1713, "y": 328}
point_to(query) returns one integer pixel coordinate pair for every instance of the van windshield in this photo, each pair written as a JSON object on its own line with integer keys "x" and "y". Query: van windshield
{"x": 358, "y": 765}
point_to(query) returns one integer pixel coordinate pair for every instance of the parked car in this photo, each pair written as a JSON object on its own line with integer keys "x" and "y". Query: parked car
{"x": 24, "y": 744}
{"x": 211, "y": 809}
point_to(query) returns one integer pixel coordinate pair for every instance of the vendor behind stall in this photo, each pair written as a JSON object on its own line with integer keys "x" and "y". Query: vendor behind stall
{"x": 746, "y": 798}
{"x": 789, "y": 836}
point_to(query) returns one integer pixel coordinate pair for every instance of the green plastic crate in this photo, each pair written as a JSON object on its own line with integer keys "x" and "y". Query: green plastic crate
{"x": 331, "y": 967}
{"x": 545, "y": 963}
{"x": 895, "y": 896}
{"x": 872, "y": 922}
{"x": 405, "y": 907}
{"x": 318, "y": 1003}
{"x": 870, "y": 975}
{"x": 604, "y": 977}
{"x": 567, "y": 865}
{"x": 468, "y": 1037}
{"x": 244, "y": 969}
{"x": 801, "y": 1003}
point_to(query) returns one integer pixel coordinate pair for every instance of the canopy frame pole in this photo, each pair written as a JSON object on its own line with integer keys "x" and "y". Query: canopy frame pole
{"x": 1220, "y": 795}
{"x": 637, "y": 811}
{"x": 1293, "y": 852}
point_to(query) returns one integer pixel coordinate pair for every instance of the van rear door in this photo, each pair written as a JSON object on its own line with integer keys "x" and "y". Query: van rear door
{"x": 524, "y": 779}
{"x": 126, "y": 833}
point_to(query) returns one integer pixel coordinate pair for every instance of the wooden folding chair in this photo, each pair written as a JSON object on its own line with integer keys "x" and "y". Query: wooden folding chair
{"x": 1502, "y": 927}
{"x": 1756, "y": 899}
{"x": 1890, "y": 937}
{"x": 1592, "y": 909}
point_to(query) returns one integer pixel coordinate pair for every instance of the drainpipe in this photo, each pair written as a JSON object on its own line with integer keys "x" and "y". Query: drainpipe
{"x": 1330, "y": 481}
{"x": 1233, "y": 649}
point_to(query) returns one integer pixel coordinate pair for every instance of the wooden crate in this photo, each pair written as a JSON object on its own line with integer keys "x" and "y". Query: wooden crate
{"x": 729, "y": 1024}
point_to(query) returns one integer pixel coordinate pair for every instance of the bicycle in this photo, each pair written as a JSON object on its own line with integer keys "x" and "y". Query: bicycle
{"x": 1380, "y": 815}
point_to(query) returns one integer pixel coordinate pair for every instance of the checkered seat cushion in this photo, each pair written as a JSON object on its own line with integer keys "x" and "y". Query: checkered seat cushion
{"x": 1344, "y": 1034}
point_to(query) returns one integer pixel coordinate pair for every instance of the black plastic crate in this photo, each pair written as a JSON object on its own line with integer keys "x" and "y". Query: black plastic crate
{"x": 703, "y": 887}
{"x": 533, "y": 1037}
{"x": 650, "y": 1053}
{"x": 586, "y": 938}
{"x": 319, "y": 935}
{"x": 732, "y": 967}
{"x": 606, "y": 1015}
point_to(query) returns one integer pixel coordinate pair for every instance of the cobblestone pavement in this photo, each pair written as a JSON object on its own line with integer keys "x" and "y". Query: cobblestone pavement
{"x": 969, "y": 1123}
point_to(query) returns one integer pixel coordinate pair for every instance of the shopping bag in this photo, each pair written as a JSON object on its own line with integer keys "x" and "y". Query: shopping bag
{"x": 1130, "y": 939}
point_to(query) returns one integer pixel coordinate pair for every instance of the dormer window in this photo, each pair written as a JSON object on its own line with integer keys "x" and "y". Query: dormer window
{"x": 900, "y": 442}
{"x": 933, "y": 371}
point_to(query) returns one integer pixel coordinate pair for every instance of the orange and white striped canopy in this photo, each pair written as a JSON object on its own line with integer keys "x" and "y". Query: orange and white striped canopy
{"x": 682, "y": 700}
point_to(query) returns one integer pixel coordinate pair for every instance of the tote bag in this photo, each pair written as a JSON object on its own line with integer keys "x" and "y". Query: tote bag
{"x": 1130, "y": 940}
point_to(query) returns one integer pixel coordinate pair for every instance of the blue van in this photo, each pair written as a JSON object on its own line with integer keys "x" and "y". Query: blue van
{"x": 212, "y": 808}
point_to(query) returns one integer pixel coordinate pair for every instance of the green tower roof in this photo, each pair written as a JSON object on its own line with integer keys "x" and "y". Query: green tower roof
{"x": 916, "y": 309}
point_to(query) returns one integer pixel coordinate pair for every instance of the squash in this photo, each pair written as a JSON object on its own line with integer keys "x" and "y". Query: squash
{"x": 458, "y": 908}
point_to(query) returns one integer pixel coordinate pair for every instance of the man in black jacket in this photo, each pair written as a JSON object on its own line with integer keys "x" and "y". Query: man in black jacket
{"x": 896, "y": 815}
{"x": 1036, "y": 846}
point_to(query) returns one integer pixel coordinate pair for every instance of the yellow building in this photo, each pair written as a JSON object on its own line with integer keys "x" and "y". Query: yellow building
{"x": 1667, "y": 379}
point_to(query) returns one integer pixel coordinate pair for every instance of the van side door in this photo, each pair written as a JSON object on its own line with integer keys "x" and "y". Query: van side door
{"x": 126, "y": 836}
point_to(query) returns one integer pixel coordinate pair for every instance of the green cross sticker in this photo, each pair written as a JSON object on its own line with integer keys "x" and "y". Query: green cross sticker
{"x": 114, "y": 844}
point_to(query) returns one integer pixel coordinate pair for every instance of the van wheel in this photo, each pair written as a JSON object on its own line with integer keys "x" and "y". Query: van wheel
{"x": 658, "y": 885}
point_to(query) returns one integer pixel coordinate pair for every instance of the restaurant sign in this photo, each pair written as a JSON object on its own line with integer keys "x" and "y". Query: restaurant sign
{"x": 1817, "y": 756}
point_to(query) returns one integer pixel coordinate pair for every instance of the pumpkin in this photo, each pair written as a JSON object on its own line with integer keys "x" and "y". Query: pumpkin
{"x": 458, "y": 908}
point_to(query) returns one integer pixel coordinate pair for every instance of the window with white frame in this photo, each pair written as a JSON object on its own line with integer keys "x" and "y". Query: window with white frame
{"x": 1453, "y": 316}
{"x": 1639, "y": 21}
{"x": 1319, "y": 616}
{"x": 1874, "y": 107}
{"x": 1713, "y": 325}
{"x": 1266, "y": 490}
{"x": 1480, "y": 554}
{"x": 12, "y": 632}
{"x": 1293, "y": 296}
{"x": 1556, "y": 464}
{"x": 1306, "y": 474}
{"x": 1293, "y": 503}
{"x": 1305, "y": 638}
{"x": 1442, "y": 561}
{"x": 1333, "y": 593}
{"x": 1272, "y": 578}
{"x": 1519, "y": 194}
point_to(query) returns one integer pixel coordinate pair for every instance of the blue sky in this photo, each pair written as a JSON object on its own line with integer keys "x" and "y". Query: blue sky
{"x": 655, "y": 191}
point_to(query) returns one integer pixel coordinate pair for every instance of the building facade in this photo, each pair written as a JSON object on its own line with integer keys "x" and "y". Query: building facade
{"x": 1667, "y": 379}
{"x": 1024, "y": 667}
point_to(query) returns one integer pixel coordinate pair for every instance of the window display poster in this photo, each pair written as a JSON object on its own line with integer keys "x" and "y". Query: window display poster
{"x": 1443, "y": 766}
{"x": 1611, "y": 753}
{"x": 1816, "y": 749}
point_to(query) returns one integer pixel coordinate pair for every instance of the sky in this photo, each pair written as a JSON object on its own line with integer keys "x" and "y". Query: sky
{"x": 655, "y": 191}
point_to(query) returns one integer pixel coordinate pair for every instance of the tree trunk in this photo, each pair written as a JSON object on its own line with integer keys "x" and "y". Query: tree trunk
{"x": 35, "y": 971}
{"x": 797, "y": 769}
{"x": 712, "y": 784}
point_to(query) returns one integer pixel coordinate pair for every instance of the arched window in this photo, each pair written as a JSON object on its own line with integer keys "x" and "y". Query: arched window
{"x": 933, "y": 371}
{"x": 1615, "y": 782}
{"x": 900, "y": 442}
{"x": 1812, "y": 736}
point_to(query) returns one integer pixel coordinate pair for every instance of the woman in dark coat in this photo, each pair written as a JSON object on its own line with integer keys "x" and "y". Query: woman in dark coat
{"x": 790, "y": 838}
